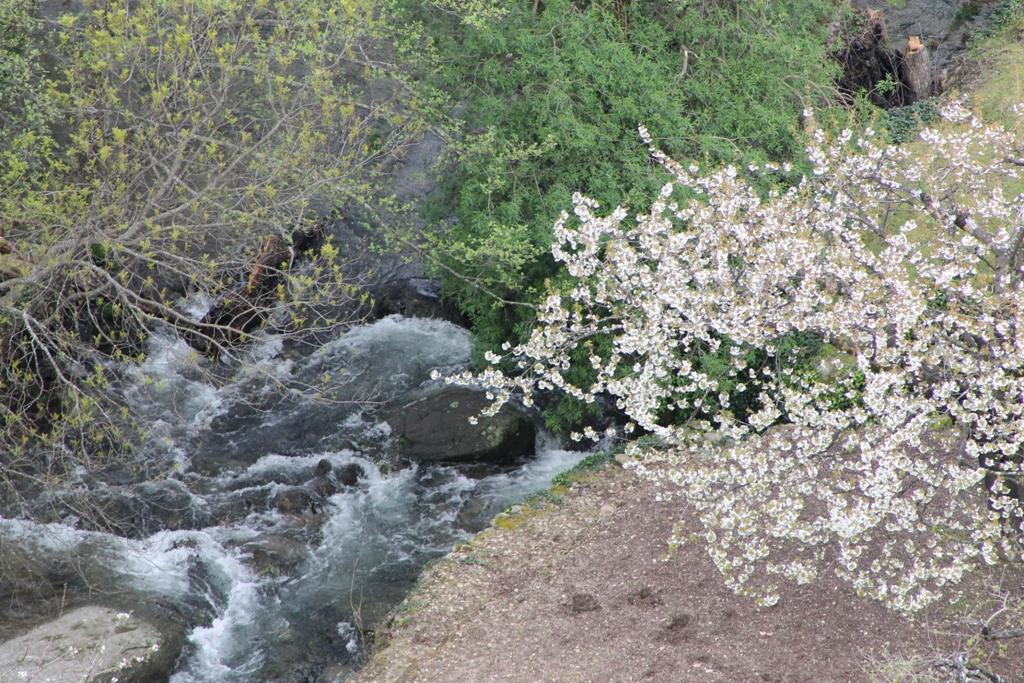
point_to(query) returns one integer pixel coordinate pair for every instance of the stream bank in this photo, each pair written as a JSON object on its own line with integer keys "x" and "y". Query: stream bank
{"x": 580, "y": 585}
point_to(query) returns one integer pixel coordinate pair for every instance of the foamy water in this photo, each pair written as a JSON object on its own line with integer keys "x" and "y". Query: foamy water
{"x": 351, "y": 560}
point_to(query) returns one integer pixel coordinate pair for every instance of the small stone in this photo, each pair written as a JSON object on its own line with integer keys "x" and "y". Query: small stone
{"x": 323, "y": 468}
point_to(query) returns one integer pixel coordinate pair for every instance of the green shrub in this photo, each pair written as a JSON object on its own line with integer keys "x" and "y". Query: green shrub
{"x": 550, "y": 104}
{"x": 902, "y": 123}
{"x": 1004, "y": 17}
{"x": 26, "y": 104}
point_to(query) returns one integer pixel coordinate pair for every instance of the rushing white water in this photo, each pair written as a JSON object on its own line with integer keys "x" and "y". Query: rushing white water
{"x": 167, "y": 385}
{"x": 268, "y": 590}
{"x": 222, "y": 651}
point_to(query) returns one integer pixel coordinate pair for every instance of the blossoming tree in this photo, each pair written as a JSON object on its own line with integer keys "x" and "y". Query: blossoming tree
{"x": 895, "y": 456}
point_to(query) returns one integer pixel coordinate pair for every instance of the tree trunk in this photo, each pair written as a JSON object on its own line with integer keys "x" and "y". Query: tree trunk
{"x": 916, "y": 71}
{"x": 245, "y": 310}
{"x": 867, "y": 61}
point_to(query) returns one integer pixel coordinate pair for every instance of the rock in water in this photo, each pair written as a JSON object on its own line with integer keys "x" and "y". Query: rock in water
{"x": 350, "y": 474}
{"x": 437, "y": 427}
{"x": 295, "y": 501}
{"x": 91, "y": 645}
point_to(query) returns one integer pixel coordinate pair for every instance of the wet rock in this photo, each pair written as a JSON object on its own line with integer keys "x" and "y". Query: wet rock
{"x": 168, "y": 505}
{"x": 276, "y": 555}
{"x": 110, "y": 509}
{"x": 322, "y": 486}
{"x": 294, "y": 501}
{"x": 290, "y": 476}
{"x": 231, "y": 506}
{"x": 393, "y": 275}
{"x": 350, "y": 474}
{"x": 329, "y": 481}
{"x": 29, "y": 582}
{"x": 135, "y": 511}
{"x": 93, "y": 644}
{"x": 413, "y": 296}
{"x": 436, "y": 427}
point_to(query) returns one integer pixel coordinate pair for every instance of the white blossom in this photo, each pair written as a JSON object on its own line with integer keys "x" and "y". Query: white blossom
{"x": 897, "y": 459}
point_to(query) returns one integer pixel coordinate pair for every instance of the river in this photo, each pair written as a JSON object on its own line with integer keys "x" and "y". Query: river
{"x": 271, "y": 593}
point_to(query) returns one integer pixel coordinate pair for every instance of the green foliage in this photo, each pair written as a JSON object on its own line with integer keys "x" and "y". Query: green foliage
{"x": 550, "y": 102}
{"x": 1005, "y": 16}
{"x": 568, "y": 412}
{"x": 26, "y": 104}
{"x": 902, "y": 123}
{"x": 535, "y": 501}
{"x": 472, "y": 12}
{"x": 802, "y": 352}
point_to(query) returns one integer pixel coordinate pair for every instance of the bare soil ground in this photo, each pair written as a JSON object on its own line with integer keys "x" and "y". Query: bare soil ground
{"x": 583, "y": 589}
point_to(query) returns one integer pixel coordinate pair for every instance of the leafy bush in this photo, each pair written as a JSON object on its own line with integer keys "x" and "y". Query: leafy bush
{"x": 26, "y": 103}
{"x": 550, "y": 101}
{"x": 902, "y": 123}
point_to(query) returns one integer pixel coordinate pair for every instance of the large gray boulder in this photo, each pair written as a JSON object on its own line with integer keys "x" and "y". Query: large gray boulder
{"x": 436, "y": 427}
{"x": 92, "y": 644}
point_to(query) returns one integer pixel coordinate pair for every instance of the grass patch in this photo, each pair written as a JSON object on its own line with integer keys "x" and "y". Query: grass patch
{"x": 514, "y": 515}
{"x": 405, "y": 612}
{"x": 1005, "y": 17}
{"x": 551, "y": 496}
{"x": 999, "y": 53}
{"x": 587, "y": 466}
{"x": 1002, "y": 86}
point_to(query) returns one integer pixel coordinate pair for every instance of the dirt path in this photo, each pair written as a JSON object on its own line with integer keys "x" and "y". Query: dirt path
{"x": 581, "y": 590}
